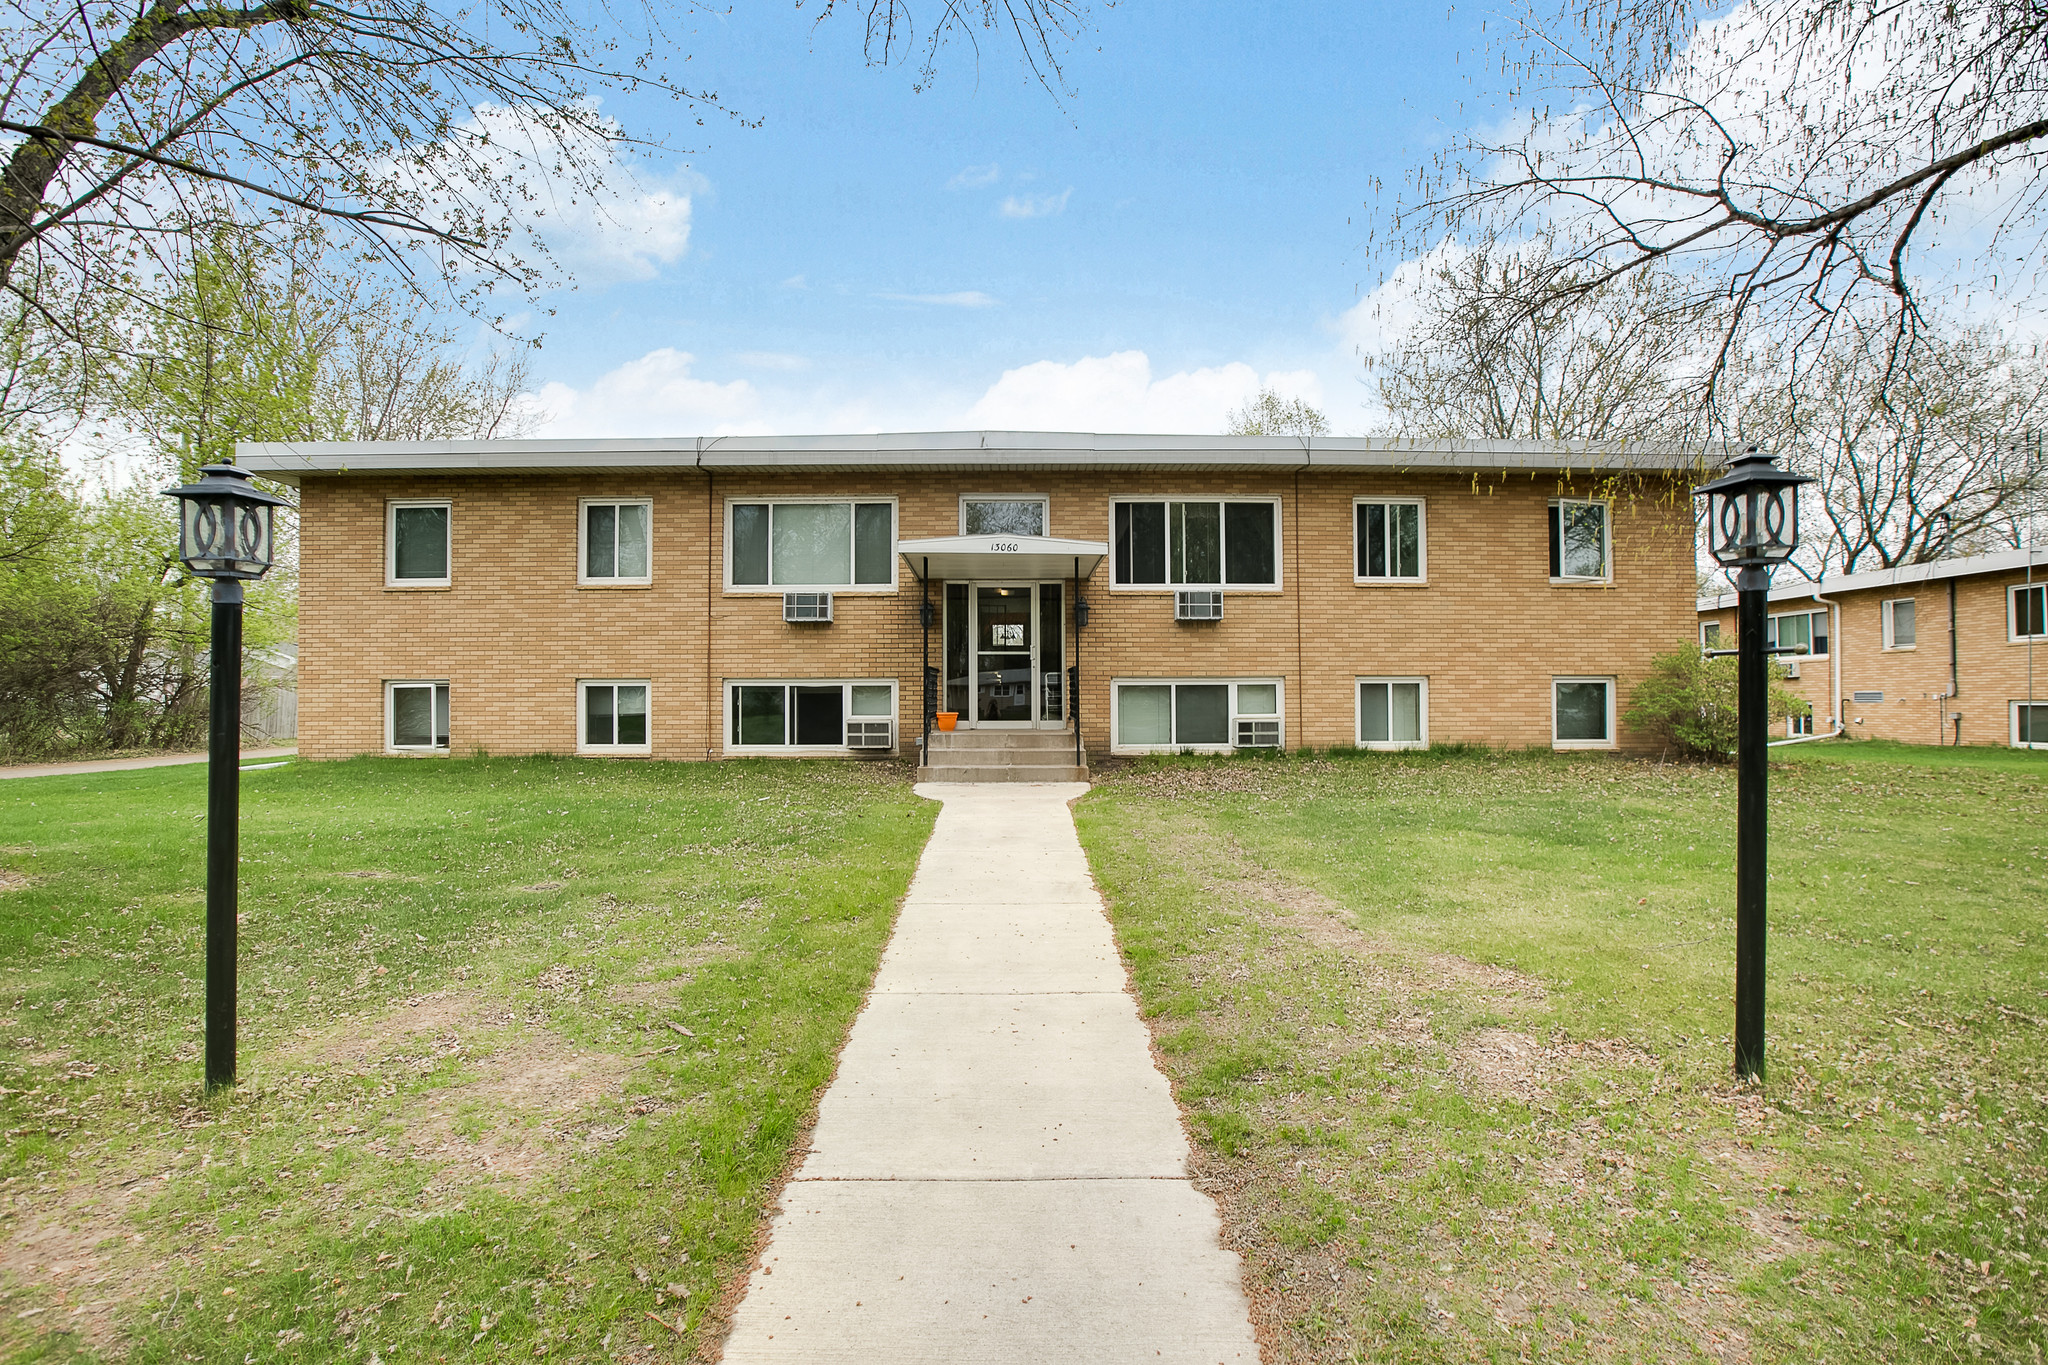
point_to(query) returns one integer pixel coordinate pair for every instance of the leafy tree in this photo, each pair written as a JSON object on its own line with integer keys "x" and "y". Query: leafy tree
{"x": 1269, "y": 414}
{"x": 420, "y": 132}
{"x": 1689, "y": 702}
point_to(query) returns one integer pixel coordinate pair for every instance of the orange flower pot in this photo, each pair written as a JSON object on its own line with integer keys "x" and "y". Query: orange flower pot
{"x": 947, "y": 719}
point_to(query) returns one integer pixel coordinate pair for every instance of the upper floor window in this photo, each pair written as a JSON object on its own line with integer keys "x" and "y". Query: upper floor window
{"x": 1710, "y": 635}
{"x": 1898, "y": 623}
{"x": 1579, "y": 541}
{"x": 617, "y": 542}
{"x": 1389, "y": 539}
{"x": 1210, "y": 543}
{"x": 1019, "y": 516}
{"x": 811, "y": 544}
{"x": 1809, "y": 628}
{"x": 416, "y": 543}
{"x": 2029, "y": 614}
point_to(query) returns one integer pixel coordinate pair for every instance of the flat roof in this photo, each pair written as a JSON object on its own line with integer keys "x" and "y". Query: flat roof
{"x": 2005, "y": 561}
{"x": 286, "y": 461}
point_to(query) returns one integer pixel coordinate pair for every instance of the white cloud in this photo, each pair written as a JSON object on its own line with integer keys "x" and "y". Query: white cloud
{"x": 796, "y": 282}
{"x": 655, "y": 395}
{"x": 976, "y": 177}
{"x": 1118, "y": 393}
{"x": 599, "y": 211}
{"x": 1035, "y": 205}
{"x": 965, "y": 298}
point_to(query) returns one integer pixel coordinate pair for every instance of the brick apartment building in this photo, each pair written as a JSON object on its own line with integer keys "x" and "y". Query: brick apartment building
{"x": 765, "y": 596}
{"x": 1954, "y": 652}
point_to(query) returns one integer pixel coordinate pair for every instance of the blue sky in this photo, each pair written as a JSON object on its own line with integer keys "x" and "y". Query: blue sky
{"x": 1190, "y": 222}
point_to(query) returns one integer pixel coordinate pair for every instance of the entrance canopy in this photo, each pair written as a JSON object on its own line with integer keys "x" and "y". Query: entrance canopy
{"x": 1001, "y": 557}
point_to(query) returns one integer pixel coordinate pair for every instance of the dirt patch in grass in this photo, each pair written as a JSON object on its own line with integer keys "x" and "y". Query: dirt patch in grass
{"x": 14, "y": 881}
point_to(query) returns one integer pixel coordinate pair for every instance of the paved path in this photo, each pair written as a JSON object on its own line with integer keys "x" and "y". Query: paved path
{"x": 998, "y": 1173}
{"x": 122, "y": 765}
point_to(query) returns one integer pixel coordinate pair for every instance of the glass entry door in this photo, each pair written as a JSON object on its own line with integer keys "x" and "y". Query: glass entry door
{"x": 1006, "y": 653}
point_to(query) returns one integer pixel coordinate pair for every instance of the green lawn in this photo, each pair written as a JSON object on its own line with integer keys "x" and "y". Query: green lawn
{"x": 524, "y": 1044}
{"x": 1453, "y": 1032}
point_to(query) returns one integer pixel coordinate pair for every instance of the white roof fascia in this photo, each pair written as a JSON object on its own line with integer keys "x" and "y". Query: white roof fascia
{"x": 953, "y": 450}
{"x": 1000, "y": 557}
{"x": 1904, "y": 575}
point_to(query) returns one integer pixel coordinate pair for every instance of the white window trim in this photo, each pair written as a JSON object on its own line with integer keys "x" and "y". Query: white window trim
{"x": 1043, "y": 500}
{"x": 582, "y": 685}
{"x": 1279, "y": 551}
{"x": 583, "y": 578}
{"x": 417, "y": 750}
{"x": 2012, "y": 613}
{"x": 1884, "y": 612}
{"x": 802, "y": 750}
{"x": 1358, "y": 714}
{"x": 1421, "y": 579}
{"x": 1715, "y": 626}
{"x": 1117, "y": 746}
{"x": 1792, "y": 730}
{"x": 777, "y": 589}
{"x": 1770, "y": 634}
{"x": 1606, "y": 541}
{"x": 2012, "y": 733}
{"x": 1612, "y": 739}
{"x": 391, "y": 578}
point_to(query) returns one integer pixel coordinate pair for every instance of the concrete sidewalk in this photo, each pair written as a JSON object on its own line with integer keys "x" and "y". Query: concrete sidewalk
{"x": 998, "y": 1173}
{"x": 122, "y": 765}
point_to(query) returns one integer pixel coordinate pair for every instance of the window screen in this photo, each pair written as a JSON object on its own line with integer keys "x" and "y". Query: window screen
{"x": 2029, "y": 611}
{"x": 1899, "y": 630}
{"x": 1389, "y": 540}
{"x": 1195, "y": 543}
{"x": 615, "y": 540}
{"x": 1578, "y": 539}
{"x": 1390, "y": 712}
{"x": 419, "y": 715}
{"x": 812, "y": 544}
{"x": 1581, "y": 712}
{"x": 420, "y": 543}
{"x": 614, "y": 715}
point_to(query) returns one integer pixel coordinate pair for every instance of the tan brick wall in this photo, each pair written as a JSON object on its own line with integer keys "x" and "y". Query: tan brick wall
{"x": 514, "y": 632}
{"x": 1990, "y": 671}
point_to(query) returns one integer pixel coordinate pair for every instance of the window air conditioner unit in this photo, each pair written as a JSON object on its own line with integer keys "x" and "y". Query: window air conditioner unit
{"x": 1198, "y": 606}
{"x": 1258, "y": 734}
{"x": 870, "y": 734}
{"x": 807, "y": 606}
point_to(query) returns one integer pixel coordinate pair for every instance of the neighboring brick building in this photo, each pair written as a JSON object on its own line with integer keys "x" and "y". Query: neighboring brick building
{"x": 1954, "y": 652}
{"x": 629, "y": 597}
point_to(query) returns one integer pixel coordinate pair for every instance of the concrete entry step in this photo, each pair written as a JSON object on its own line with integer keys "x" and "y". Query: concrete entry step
{"x": 1000, "y": 772}
{"x": 1003, "y": 756}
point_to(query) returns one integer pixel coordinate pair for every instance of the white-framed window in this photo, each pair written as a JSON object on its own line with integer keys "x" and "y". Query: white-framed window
{"x": 418, "y": 542}
{"x": 1393, "y": 713}
{"x": 810, "y": 545}
{"x": 1710, "y": 635}
{"x": 2027, "y": 612}
{"x": 1580, "y": 541}
{"x": 1388, "y": 542}
{"x": 783, "y": 715}
{"x": 1005, "y": 514}
{"x": 1898, "y": 620}
{"x": 1791, "y": 629}
{"x": 612, "y": 716}
{"x": 1799, "y": 723}
{"x": 1195, "y": 542}
{"x": 615, "y": 541}
{"x": 1582, "y": 713}
{"x": 2030, "y": 725}
{"x": 416, "y": 717}
{"x": 1207, "y": 715}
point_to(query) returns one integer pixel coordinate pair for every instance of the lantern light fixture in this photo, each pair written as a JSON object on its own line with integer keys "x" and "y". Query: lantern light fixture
{"x": 1753, "y": 512}
{"x": 226, "y": 524}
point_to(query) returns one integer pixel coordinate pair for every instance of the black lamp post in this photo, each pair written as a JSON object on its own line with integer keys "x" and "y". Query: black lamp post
{"x": 225, "y": 529}
{"x": 1752, "y": 527}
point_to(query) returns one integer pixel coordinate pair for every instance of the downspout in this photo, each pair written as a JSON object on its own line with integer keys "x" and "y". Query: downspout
{"x": 1836, "y": 644}
{"x": 1955, "y": 677}
{"x": 1301, "y": 677}
{"x": 712, "y": 707}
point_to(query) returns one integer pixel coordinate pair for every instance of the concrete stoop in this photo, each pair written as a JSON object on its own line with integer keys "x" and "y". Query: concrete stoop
{"x": 1003, "y": 756}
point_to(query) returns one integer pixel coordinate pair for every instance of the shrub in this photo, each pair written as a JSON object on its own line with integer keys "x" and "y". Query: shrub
{"x": 1688, "y": 701}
